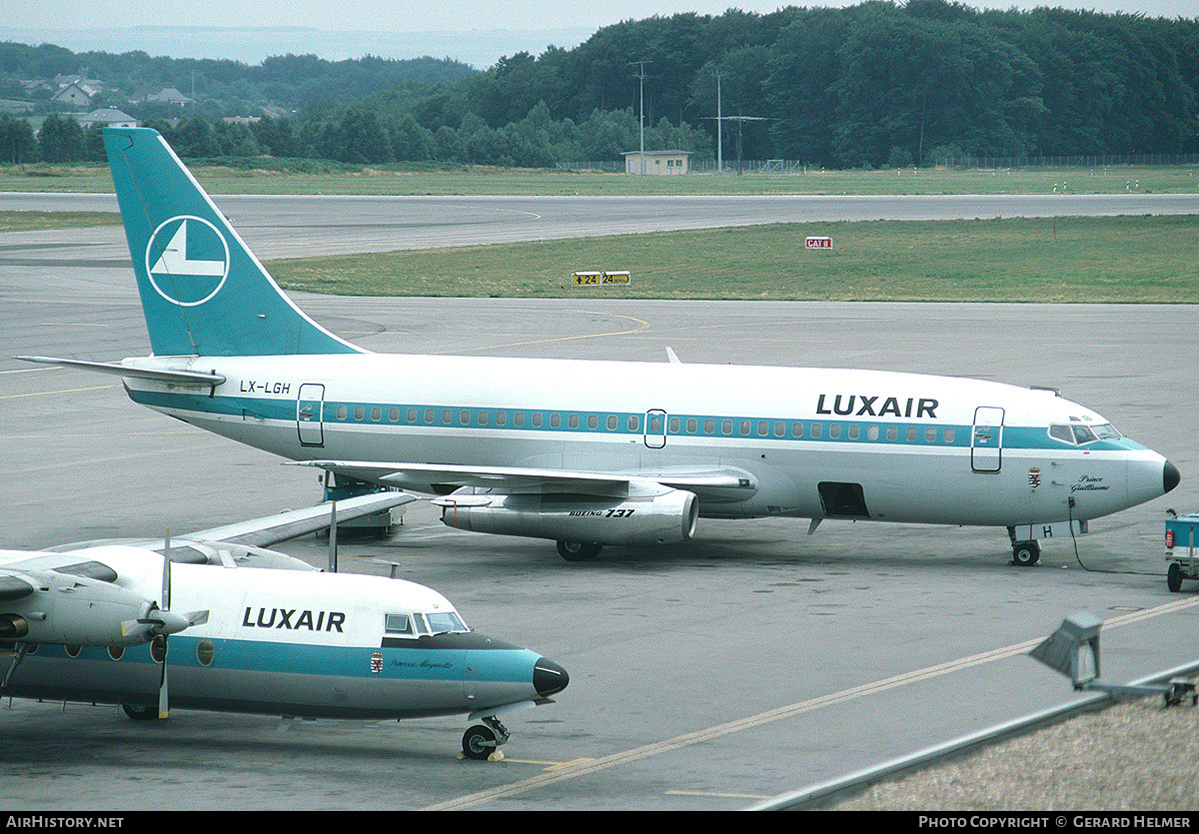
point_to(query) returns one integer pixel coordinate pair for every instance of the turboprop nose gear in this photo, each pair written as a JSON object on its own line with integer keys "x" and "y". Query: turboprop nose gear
{"x": 483, "y": 740}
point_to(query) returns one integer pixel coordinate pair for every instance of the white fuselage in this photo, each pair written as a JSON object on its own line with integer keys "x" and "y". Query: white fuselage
{"x": 910, "y": 448}
{"x": 300, "y": 643}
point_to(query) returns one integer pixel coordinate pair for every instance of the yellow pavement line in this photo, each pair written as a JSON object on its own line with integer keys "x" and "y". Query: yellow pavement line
{"x": 585, "y": 767}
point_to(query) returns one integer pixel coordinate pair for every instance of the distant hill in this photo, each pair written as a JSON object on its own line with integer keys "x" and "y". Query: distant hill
{"x": 289, "y": 81}
{"x": 479, "y": 49}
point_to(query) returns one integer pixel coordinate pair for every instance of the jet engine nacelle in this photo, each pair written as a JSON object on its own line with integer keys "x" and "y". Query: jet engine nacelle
{"x": 76, "y": 611}
{"x": 664, "y": 517}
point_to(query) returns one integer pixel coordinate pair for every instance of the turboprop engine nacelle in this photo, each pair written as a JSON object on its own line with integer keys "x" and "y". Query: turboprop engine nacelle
{"x": 663, "y": 517}
{"x": 76, "y": 611}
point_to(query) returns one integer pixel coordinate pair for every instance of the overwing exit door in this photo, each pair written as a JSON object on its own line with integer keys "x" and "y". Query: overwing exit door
{"x": 655, "y": 428}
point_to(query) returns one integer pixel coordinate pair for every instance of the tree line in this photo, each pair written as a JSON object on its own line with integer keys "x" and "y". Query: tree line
{"x": 221, "y": 87}
{"x": 872, "y": 85}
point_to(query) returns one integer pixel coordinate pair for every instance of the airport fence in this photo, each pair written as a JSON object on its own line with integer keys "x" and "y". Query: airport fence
{"x": 707, "y": 166}
{"x": 791, "y": 166}
{"x": 1097, "y": 161}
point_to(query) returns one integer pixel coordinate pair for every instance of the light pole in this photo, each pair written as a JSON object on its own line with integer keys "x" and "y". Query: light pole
{"x": 719, "y": 128}
{"x": 641, "y": 114}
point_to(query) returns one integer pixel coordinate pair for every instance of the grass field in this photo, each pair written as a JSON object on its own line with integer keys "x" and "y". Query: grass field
{"x": 399, "y": 180}
{"x": 28, "y": 221}
{"x": 1122, "y": 259}
{"x": 1084, "y": 259}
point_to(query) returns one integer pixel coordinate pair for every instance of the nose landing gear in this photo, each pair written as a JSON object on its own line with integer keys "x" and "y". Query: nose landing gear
{"x": 1026, "y": 554}
{"x": 482, "y": 741}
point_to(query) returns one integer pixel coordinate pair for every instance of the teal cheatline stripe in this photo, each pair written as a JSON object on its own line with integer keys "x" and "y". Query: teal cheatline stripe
{"x": 507, "y": 663}
{"x": 846, "y": 431}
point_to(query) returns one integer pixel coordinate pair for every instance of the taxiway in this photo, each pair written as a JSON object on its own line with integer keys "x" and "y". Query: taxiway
{"x": 747, "y": 663}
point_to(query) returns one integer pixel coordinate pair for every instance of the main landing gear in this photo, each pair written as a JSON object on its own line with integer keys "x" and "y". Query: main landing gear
{"x": 579, "y": 551}
{"x": 483, "y": 741}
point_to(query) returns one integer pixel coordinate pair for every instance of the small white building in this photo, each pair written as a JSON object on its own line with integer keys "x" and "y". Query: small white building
{"x": 658, "y": 163}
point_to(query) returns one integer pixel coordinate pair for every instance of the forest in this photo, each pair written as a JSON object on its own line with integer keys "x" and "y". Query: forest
{"x": 877, "y": 84}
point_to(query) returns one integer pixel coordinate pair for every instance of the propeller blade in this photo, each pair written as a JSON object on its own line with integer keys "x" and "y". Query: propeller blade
{"x": 166, "y": 571}
{"x": 163, "y": 700}
{"x": 164, "y": 707}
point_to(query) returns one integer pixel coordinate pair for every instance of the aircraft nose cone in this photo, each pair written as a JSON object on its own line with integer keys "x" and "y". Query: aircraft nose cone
{"x": 1170, "y": 476}
{"x": 549, "y": 677}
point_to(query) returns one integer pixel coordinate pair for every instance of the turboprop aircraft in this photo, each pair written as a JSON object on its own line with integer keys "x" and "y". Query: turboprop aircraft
{"x": 263, "y": 633}
{"x": 592, "y": 452}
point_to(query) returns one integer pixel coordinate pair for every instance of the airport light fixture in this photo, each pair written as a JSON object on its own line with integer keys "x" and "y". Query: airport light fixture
{"x": 1073, "y": 650}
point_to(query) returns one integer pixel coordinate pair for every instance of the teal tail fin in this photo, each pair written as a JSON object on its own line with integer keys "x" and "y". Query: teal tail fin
{"x": 203, "y": 292}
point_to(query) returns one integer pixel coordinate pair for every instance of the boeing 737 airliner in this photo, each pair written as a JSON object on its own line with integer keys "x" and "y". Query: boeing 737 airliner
{"x": 592, "y": 453}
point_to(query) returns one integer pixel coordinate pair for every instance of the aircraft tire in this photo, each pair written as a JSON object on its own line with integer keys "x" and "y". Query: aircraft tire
{"x": 1174, "y": 577}
{"x": 579, "y": 551}
{"x": 137, "y": 712}
{"x": 1026, "y": 554}
{"x": 479, "y": 743}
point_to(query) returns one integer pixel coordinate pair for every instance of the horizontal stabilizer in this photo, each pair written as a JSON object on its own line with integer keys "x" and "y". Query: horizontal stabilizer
{"x": 123, "y": 370}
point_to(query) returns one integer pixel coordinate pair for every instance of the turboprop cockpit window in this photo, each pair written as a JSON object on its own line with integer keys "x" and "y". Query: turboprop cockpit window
{"x": 397, "y": 624}
{"x": 440, "y": 621}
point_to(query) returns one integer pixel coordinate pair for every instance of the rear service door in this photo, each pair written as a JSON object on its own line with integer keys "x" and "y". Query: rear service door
{"x": 309, "y": 411}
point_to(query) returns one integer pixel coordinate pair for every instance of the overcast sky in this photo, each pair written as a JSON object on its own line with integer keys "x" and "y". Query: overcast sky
{"x": 473, "y": 29}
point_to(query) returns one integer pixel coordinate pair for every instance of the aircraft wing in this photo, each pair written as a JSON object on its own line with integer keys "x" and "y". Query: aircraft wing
{"x": 263, "y": 532}
{"x": 56, "y": 598}
{"x": 712, "y": 485}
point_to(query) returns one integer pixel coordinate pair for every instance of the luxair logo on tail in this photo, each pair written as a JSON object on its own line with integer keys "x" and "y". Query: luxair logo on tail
{"x": 187, "y": 260}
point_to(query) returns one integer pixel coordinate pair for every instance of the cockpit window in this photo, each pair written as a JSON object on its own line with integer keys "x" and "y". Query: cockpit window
{"x": 398, "y": 624}
{"x": 1106, "y": 431}
{"x": 1062, "y": 433}
{"x": 436, "y": 622}
{"x": 1077, "y": 434}
{"x": 445, "y": 621}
